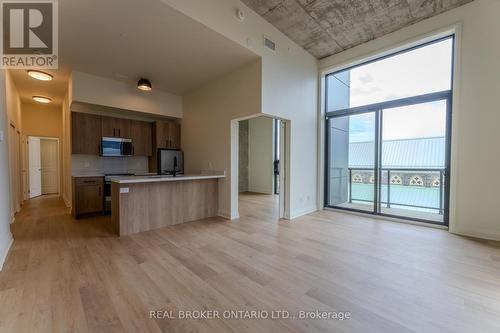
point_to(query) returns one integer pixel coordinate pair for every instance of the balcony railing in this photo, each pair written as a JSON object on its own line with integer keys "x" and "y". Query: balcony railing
{"x": 400, "y": 187}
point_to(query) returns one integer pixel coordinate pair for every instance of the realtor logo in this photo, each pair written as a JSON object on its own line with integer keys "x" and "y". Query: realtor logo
{"x": 29, "y": 34}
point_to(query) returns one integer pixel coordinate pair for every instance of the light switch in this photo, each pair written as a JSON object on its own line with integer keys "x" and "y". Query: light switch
{"x": 124, "y": 190}
{"x": 1, "y": 136}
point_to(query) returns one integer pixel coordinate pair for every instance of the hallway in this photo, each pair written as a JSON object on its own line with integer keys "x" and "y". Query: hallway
{"x": 64, "y": 275}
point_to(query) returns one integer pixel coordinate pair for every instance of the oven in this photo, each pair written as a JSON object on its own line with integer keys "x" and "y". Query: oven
{"x": 107, "y": 190}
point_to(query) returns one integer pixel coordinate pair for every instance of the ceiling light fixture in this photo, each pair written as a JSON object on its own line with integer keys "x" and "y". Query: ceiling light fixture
{"x": 144, "y": 84}
{"x": 42, "y": 76}
{"x": 41, "y": 99}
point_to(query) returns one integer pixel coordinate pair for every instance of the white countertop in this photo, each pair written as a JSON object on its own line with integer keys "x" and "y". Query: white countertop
{"x": 162, "y": 178}
{"x": 97, "y": 174}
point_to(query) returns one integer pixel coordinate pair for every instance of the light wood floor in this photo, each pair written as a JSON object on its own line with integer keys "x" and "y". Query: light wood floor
{"x": 64, "y": 275}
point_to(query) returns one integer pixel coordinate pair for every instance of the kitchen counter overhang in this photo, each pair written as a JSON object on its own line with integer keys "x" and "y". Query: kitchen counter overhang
{"x": 143, "y": 203}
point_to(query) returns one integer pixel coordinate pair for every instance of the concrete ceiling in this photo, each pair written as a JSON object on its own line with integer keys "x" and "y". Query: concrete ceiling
{"x": 129, "y": 39}
{"x": 326, "y": 27}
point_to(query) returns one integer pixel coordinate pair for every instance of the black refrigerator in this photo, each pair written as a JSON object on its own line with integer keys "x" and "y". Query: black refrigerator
{"x": 170, "y": 162}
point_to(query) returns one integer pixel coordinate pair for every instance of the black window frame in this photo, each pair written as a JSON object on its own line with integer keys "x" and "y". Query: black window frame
{"x": 377, "y": 108}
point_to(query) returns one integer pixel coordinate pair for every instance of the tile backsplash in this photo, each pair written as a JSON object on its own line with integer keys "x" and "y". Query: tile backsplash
{"x": 91, "y": 164}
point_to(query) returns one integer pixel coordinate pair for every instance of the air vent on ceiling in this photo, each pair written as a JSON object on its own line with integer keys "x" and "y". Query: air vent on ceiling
{"x": 271, "y": 45}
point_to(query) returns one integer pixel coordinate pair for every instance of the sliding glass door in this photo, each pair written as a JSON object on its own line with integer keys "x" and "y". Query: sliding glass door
{"x": 413, "y": 164}
{"x": 388, "y": 134}
{"x": 391, "y": 158}
{"x": 348, "y": 187}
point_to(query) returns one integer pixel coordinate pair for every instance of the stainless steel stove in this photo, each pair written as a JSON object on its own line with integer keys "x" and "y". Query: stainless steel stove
{"x": 107, "y": 189}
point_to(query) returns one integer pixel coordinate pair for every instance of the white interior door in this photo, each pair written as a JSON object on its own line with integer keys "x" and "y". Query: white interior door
{"x": 35, "y": 168}
{"x": 49, "y": 166}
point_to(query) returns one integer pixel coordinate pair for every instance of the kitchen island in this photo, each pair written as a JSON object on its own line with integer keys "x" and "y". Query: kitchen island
{"x": 142, "y": 203}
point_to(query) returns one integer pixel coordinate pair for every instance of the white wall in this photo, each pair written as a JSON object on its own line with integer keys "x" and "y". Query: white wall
{"x": 13, "y": 103}
{"x": 103, "y": 91}
{"x": 5, "y": 217}
{"x": 260, "y": 155}
{"x": 289, "y": 88}
{"x": 206, "y": 126}
{"x": 476, "y": 116}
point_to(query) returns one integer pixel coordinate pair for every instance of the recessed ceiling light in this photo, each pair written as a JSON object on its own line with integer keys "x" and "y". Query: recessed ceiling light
{"x": 144, "y": 84}
{"x": 42, "y": 76}
{"x": 41, "y": 99}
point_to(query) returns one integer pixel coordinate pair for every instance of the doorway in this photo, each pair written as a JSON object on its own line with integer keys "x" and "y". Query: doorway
{"x": 371, "y": 171}
{"x": 388, "y": 134}
{"x": 43, "y": 166}
{"x": 261, "y": 167}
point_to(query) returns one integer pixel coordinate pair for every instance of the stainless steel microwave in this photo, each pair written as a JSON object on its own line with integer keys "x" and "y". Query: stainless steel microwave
{"x": 116, "y": 147}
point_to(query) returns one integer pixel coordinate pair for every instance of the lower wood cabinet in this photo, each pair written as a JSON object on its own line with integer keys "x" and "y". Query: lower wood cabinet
{"x": 88, "y": 195}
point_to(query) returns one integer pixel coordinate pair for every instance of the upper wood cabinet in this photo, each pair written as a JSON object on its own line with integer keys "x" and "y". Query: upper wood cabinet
{"x": 174, "y": 135}
{"x": 142, "y": 137}
{"x": 88, "y": 130}
{"x": 115, "y": 127}
{"x": 86, "y": 133}
{"x": 167, "y": 135}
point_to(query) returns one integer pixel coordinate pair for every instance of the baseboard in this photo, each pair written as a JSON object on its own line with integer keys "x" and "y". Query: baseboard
{"x": 66, "y": 202}
{"x": 475, "y": 234}
{"x": 302, "y": 212}
{"x": 260, "y": 190}
{"x": 227, "y": 215}
{"x": 6, "y": 252}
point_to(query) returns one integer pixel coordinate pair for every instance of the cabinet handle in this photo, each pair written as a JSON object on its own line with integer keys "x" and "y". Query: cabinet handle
{"x": 99, "y": 191}
{"x": 119, "y": 132}
{"x": 166, "y": 143}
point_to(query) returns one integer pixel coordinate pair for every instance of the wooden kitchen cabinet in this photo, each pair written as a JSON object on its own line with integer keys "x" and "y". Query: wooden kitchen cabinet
{"x": 141, "y": 133}
{"x": 174, "y": 135}
{"x": 115, "y": 127}
{"x": 167, "y": 135}
{"x": 88, "y": 195}
{"x": 160, "y": 134}
{"x": 86, "y": 133}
